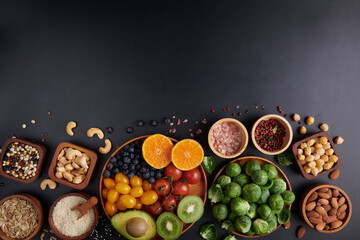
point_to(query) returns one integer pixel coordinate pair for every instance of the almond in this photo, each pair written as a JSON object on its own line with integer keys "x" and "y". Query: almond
{"x": 300, "y": 232}
{"x": 312, "y": 214}
{"x": 326, "y": 227}
{"x": 324, "y": 195}
{"x": 315, "y": 221}
{"x": 334, "y": 203}
{"x": 332, "y": 212}
{"x": 341, "y": 216}
{"x": 312, "y": 197}
{"x": 323, "y": 190}
{"x": 341, "y": 201}
{"x": 287, "y": 225}
{"x": 333, "y": 218}
{"x": 329, "y": 192}
{"x": 324, "y": 201}
{"x": 310, "y": 206}
{"x": 334, "y": 174}
{"x": 342, "y": 208}
{"x": 321, "y": 211}
{"x": 335, "y": 192}
{"x": 326, "y": 218}
{"x": 327, "y": 207}
{"x": 336, "y": 224}
{"x": 320, "y": 226}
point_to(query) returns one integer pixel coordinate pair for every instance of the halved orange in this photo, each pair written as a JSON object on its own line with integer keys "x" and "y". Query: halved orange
{"x": 156, "y": 150}
{"x": 187, "y": 154}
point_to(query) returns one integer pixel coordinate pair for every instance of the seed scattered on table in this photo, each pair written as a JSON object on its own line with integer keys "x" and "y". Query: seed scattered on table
{"x": 324, "y": 127}
{"x": 338, "y": 140}
{"x": 198, "y": 132}
{"x": 24, "y": 125}
{"x": 296, "y": 117}
{"x": 33, "y": 121}
{"x": 310, "y": 120}
{"x": 302, "y": 130}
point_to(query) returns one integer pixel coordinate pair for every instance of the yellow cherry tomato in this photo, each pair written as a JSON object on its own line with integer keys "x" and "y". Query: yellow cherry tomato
{"x": 110, "y": 208}
{"x": 128, "y": 201}
{"x": 112, "y": 196}
{"x": 147, "y": 185}
{"x": 122, "y": 188}
{"x": 149, "y": 197}
{"x": 138, "y": 204}
{"x": 136, "y": 181}
{"x": 109, "y": 183}
{"x": 104, "y": 193}
{"x": 121, "y": 178}
{"x": 120, "y": 206}
{"x": 136, "y": 191}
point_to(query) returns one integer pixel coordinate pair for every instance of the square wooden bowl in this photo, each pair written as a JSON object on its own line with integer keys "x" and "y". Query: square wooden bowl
{"x": 316, "y": 135}
{"x": 93, "y": 158}
{"x": 40, "y": 148}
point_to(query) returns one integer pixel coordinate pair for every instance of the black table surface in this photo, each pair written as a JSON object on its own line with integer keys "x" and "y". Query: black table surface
{"x": 110, "y": 63}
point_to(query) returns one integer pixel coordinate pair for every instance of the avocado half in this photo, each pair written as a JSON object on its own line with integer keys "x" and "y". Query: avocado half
{"x": 122, "y": 220}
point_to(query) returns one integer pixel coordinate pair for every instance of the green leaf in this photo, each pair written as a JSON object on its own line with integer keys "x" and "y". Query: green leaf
{"x": 215, "y": 193}
{"x": 209, "y": 164}
{"x": 285, "y": 158}
{"x": 208, "y": 231}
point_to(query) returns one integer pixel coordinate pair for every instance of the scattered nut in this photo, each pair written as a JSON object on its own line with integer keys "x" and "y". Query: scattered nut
{"x": 338, "y": 140}
{"x": 69, "y": 128}
{"x": 300, "y": 232}
{"x": 59, "y": 175}
{"x": 310, "y": 120}
{"x": 287, "y": 225}
{"x": 79, "y": 179}
{"x": 107, "y": 148}
{"x": 47, "y": 182}
{"x": 302, "y": 130}
{"x": 296, "y": 117}
{"x": 334, "y": 174}
{"x": 68, "y": 176}
{"x": 92, "y": 131}
{"x": 324, "y": 127}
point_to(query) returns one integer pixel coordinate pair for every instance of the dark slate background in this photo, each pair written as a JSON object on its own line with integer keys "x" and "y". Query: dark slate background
{"x": 110, "y": 63}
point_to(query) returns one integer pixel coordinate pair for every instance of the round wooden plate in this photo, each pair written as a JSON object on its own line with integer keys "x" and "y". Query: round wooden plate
{"x": 242, "y": 161}
{"x": 199, "y": 189}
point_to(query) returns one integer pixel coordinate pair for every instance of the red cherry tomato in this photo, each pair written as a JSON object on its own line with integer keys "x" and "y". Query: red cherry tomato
{"x": 170, "y": 203}
{"x": 180, "y": 188}
{"x": 162, "y": 186}
{"x": 192, "y": 176}
{"x": 155, "y": 208}
{"x": 174, "y": 172}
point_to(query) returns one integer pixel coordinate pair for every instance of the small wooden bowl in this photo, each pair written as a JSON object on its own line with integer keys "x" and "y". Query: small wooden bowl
{"x": 315, "y": 187}
{"x": 286, "y": 140}
{"x": 57, "y": 232}
{"x": 244, "y": 138}
{"x": 41, "y": 149}
{"x": 38, "y": 207}
{"x": 93, "y": 158}
{"x": 316, "y": 135}
{"x": 242, "y": 161}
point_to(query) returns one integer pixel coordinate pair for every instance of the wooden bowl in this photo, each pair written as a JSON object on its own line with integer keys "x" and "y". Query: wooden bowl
{"x": 40, "y": 148}
{"x": 244, "y": 138}
{"x": 286, "y": 140}
{"x": 51, "y": 221}
{"x": 315, "y": 187}
{"x": 93, "y": 158}
{"x": 316, "y": 135}
{"x": 38, "y": 207}
{"x": 242, "y": 161}
{"x": 199, "y": 189}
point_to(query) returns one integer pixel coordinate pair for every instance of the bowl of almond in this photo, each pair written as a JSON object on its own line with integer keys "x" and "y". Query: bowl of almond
{"x": 326, "y": 208}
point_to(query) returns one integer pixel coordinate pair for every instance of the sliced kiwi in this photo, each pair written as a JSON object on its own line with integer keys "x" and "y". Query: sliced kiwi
{"x": 168, "y": 226}
{"x": 190, "y": 209}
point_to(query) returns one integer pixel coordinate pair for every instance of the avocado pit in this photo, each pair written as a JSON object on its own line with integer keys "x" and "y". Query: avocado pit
{"x": 136, "y": 227}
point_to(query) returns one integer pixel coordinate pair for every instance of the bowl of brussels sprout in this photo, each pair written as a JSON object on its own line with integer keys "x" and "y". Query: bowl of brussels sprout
{"x": 251, "y": 197}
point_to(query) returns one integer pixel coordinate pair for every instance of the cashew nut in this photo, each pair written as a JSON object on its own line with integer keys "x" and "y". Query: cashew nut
{"x": 59, "y": 175}
{"x": 47, "y": 182}
{"x": 69, "y": 167}
{"x": 61, "y": 154}
{"x": 61, "y": 169}
{"x": 75, "y": 165}
{"x": 79, "y": 179}
{"x": 59, "y": 164}
{"x": 81, "y": 161}
{"x": 64, "y": 161}
{"x": 107, "y": 148}
{"x": 68, "y": 176}
{"x": 92, "y": 131}
{"x": 69, "y": 128}
{"x": 80, "y": 171}
{"x": 72, "y": 153}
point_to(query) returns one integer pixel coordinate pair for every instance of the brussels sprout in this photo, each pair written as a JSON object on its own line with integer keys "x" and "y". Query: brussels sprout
{"x": 278, "y": 187}
{"x": 265, "y": 194}
{"x": 226, "y": 199}
{"x": 220, "y": 211}
{"x": 242, "y": 224}
{"x": 264, "y": 211}
{"x": 260, "y": 226}
{"x": 208, "y": 231}
{"x": 251, "y": 192}
{"x": 272, "y": 221}
{"x": 285, "y": 158}
{"x": 276, "y": 203}
{"x": 268, "y": 185}
{"x": 242, "y": 179}
{"x": 284, "y": 216}
{"x": 239, "y": 206}
{"x": 251, "y": 166}
{"x": 252, "y": 211}
{"x": 215, "y": 193}
{"x": 230, "y": 237}
{"x": 223, "y": 180}
{"x": 250, "y": 233}
{"x": 209, "y": 164}
{"x": 231, "y": 216}
{"x": 228, "y": 225}
{"x": 271, "y": 171}
{"x": 288, "y": 196}
{"x": 233, "y": 190}
{"x": 259, "y": 177}
{"x": 233, "y": 169}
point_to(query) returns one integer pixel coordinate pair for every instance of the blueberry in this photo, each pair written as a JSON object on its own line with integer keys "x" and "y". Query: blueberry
{"x": 144, "y": 164}
{"x": 109, "y": 129}
{"x": 135, "y": 161}
{"x": 139, "y": 174}
{"x": 137, "y": 167}
{"x": 126, "y": 147}
{"x": 125, "y": 166}
{"x": 153, "y": 123}
{"x": 142, "y": 170}
{"x": 107, "y": 173}
{"x": 167, "y": 120}
{"x": 137, "y": 156}
{"x": 132, "y": 156}
{"x": 131, "y": 174}
{"x": 132, "y": 167}
{"x": 140, "y": 123}
{"x": 151, "y": 180}
{"x": 112, "y": 175}
{"x": 113, "y": 159}
{"x": 147, "y": 169}
{"x": 110, "y": 166}
{"x": 146, "y": 175}
{"x": 120, "y": 163}
{"x": 116, "y": 171}
{"x": 158, "y": 175}
{"x": 129, "y": 130}
{"x": 118, "y": 156}
{"x": 131, "y": 149}
{"x": 126, "y": 171}
{"x": 126, "y": 160}
{"x": 132, "y": 144}
{"x": 116, "y": 164}
{"x": 152, "y": 173}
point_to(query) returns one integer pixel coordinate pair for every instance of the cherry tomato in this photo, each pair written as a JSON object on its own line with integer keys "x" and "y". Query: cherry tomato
{"x": 138, "y": 204}
{"x": 174, "y": 172}
{"x": 122, "y": 188}
{"x": 180, "y": 187}
{"x": 136, "y": 181}
{"x": 110, "y": 208}
{"x": 109, "y": 183}
{"x": 128, "y": 201}
{"x": 147, "y": 186}
{"x": 104, "y": 193}
{"x": 121, "y": 178}
{"x": 120, "y": 206}
{"x": 170, "y": 203}
{"x": 112, "y": 196}
{"x": 137, "y": 191}
{"x": 155, "y": 208}
{"x": 192, "y": 176}
{"x": 162, "y": 186}
{"x": 149, "y": 197}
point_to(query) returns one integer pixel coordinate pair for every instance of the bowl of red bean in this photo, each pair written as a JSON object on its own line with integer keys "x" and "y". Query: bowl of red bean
{"x": 271, "y": 134}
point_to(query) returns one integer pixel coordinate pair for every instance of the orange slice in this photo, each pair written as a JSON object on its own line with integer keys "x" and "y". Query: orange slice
{"x": 187, "y": 154}
{"x": 156, "y": 150}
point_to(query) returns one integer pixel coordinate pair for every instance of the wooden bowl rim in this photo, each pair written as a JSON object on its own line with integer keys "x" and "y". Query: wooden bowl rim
{"x": 309, "y": 191}
{"x": 42, "y": 152}
{"x": 315, "y": 135}
{"x": 57, "y": 232}
{"x": 38, "y": 207}
{"x": 242, "y": 127}
{"x": 93, "y": 159}
{"x": 248, "y": 158}
{"x": 286, "y": 125}
{"x": 122, "y": 146}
